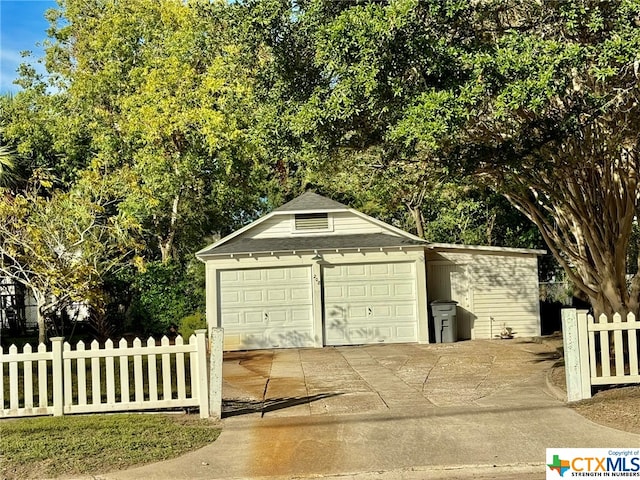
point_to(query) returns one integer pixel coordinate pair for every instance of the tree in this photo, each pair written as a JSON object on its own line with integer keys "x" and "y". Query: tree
{"x": 538, "y": 101}
{"x": 163, "y": 93}
{"x": 558, "y": 134}
{"x": 60, "y": 244}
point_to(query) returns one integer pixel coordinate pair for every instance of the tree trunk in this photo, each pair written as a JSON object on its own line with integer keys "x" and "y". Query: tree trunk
{"x": 414, "y": 205}
{"x": 166, "y": 242}
{"x": 418, "y": 219}
{"x": 42, "y": 327}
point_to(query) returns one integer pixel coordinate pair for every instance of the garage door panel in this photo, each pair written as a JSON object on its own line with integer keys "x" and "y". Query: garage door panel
{"x": 277, "y": 295}
{"x": 357, "y": 312}
{"x": 380, "y": 290}
{"x": 358, "y": 291}
{"x": 380, "y": 269}
{"x": 383, "y": 332}
{"x": 231, "y": 318}
{"x": 406, "y": 332}
{"x": 248, "y": 275}
{"x": 299, "y": 273}
{"x": 370, "y": 303}
{"x": 355, "y": 270}
{"x": 230, "y": 297}
{"x": 276, "y": 274}
{"x": 254, "y": 318}
{"x": 228, "y": 276}
{"x": 301, "y": 294}
{"x": 253, "y": 296}
{"x": 266, "y": 308}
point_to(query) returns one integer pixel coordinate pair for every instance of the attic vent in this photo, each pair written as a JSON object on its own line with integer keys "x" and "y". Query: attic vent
{"x": 312, "y": 221}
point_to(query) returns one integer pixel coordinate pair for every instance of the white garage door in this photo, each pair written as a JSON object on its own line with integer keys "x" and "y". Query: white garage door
{"x": 370, "y": 303}
{"x": 266, "y": 308}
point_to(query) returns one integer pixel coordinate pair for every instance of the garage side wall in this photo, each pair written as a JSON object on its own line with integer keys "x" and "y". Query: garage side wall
{"x": 500, "y": 290}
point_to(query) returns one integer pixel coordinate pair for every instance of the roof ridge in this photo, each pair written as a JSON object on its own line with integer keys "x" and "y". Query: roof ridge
{"x": 311, "y": 200}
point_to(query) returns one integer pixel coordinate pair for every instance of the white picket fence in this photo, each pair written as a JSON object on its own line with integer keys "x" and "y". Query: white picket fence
{"x": 598, "y": 352}
{"x": 109, "y": 379}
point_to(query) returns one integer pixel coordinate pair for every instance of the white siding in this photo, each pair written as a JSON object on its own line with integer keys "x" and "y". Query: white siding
{"x": 340, "y": 223}
{"x": 277, "y": 226}
{"x": 503, "y": 290}
{"x": 347, "y": 223}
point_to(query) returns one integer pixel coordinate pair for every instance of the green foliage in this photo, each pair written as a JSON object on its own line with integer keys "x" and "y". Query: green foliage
{"x": 91, "y": 444}
{"x": 61, "y": 244}
{"x": 161, "y": 91}
{"x": 164, "y": 294}
{"x": 536, "y": 101}
{"x": 212, "y": 112}
{"x": 188, "y": 325}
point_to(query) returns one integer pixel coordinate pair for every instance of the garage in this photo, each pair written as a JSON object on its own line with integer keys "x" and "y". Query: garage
{"x": 266, "y": 307}
{"x": 316, "y": 273}
{"x": 370, "y": 303}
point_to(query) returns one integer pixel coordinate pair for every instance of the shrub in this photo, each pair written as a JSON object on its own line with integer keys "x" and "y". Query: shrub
{"x": 191, "y": 323}
{"x": 164, "y": 294}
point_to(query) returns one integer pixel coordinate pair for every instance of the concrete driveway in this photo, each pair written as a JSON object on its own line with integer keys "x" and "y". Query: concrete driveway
{"x": 378, "y": 378}
{"x": 479, "y": 409}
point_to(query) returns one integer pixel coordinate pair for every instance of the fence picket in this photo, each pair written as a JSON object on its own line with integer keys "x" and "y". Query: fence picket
{"x": 632, "y": 340}
{"x": 166, "y": 370}
{"x": 95, "y": 374}
{"x": 593, "y": 368}
{"x": 137, "y": 373}
{"x": 13, "y": 380}
{"x": 28, "y": 378}
{"x": 182, "y": 394}
{"x": 153, "y": 372}
{"x": 605, "y": 357}
{"x": 193, "y": 357}
{"x": 82, "y": 375}
{"x": 68, "y": 384}
{"x": 618, "y": 352}
{"x": 124, "y": 372}
{"x": 43, "y": 400}
{"x": 110, "y": 372}
{"x": 57, "y": 360}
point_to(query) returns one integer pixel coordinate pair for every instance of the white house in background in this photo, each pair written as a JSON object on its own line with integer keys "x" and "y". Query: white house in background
{"x": 315, "y": 272}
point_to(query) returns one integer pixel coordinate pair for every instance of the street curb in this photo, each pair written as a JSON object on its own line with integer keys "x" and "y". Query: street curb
{"x": 436, "y": 472}
{"x": 558, "y": 393}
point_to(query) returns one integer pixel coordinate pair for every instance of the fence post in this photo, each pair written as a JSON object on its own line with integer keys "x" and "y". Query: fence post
{"x": 203, "y": 390}
{"x": 585, "y": 358}
{"x": 215, "y": 363}
{"x": 57, "y": 376}
{"x": 573, "y": 363}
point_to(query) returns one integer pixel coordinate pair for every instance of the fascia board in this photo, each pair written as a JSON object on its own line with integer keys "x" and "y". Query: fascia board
{"x": 453, "y": 246}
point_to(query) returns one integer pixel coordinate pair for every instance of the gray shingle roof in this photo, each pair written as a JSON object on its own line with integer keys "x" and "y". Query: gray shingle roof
{"x": 311, "y": 201}
{"x": 309, "y": 243}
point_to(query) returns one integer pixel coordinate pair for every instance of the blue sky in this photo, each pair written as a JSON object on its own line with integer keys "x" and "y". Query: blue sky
{"x": 22, "y": 26}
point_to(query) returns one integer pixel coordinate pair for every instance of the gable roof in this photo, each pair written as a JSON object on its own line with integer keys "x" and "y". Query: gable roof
{"x": 310, "y": 202}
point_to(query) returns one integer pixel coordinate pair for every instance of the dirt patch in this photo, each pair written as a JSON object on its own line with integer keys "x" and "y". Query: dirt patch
{"x": 615, "y": 407}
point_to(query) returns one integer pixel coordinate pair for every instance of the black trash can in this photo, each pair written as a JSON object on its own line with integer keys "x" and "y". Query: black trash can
{"x": 445, "y": 321}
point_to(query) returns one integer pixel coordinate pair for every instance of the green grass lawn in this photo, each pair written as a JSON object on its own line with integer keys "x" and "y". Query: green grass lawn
{"x": 91, "y": 444}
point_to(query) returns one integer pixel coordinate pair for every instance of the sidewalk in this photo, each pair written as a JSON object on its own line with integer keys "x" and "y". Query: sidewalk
{"x": 471, "y": 410}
